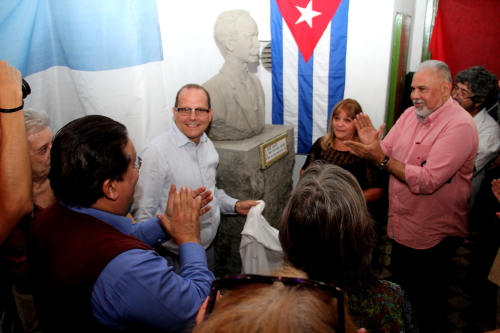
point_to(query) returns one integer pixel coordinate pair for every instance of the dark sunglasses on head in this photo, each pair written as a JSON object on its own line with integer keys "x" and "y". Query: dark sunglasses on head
{"x": 230, "y": 282}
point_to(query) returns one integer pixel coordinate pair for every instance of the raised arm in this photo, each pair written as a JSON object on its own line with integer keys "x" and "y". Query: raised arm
{"x": 182, "y": 216}
{"x": 144, "y": 277}
{"x": 15, "y": 165}
{"x": 369, "y": 147}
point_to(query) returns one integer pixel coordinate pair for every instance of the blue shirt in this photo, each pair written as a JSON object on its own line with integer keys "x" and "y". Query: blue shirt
{"x": 138, "y": 287}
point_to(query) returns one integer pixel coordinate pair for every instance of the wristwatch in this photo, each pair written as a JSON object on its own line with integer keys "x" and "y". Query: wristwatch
{"x": 383, "y": 164}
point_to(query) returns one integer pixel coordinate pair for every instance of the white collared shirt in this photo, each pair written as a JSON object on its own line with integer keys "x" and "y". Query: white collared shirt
{"x": 489, "y": 146}
{"x": 170, "y": 158}
{"x": 489, "y": 139}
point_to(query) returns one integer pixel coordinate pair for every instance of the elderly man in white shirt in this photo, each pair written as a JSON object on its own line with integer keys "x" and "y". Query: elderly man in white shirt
{"x": 475, "y": 87}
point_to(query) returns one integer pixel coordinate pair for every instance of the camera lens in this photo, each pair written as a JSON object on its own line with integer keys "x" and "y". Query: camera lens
{"x": 26, "y": 89}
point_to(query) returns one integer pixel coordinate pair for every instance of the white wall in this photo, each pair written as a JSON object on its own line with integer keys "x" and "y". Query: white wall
{"x": 191, "y": 55}
{"x": 189, "y": 49}
{"x": 368, "y": 55}
{"x": 417, "y": 38}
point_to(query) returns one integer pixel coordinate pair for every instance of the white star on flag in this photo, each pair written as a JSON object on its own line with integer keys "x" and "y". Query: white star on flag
{"x": 307, "y": 14}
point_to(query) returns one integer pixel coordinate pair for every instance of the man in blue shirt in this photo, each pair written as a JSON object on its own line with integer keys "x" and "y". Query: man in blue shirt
{"x": 93, "y": 269}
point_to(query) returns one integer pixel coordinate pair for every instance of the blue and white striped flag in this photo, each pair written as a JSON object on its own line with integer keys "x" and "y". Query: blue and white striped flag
{"x": 89, "y": 57}
{"x": 308, "y": 49}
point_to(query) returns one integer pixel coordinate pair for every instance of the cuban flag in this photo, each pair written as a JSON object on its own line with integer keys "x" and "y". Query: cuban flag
{"x": 89, "y": 57}
{"x": 309, "y": 40}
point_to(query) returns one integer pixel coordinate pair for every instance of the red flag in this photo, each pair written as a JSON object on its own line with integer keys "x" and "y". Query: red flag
{"x": 306, "y": 36}
{"x": 467, "y": 33}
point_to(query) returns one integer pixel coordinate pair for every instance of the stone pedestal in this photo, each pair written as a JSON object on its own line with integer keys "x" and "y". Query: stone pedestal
{"x": 240, "y": 175}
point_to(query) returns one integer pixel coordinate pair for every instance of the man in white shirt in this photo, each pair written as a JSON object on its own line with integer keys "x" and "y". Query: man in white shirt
{"x": 474, "y": 88}
{"x": 185, "y": 156}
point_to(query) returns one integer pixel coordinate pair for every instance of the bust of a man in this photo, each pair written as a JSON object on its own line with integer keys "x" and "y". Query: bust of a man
{"x": 237, "y": 97}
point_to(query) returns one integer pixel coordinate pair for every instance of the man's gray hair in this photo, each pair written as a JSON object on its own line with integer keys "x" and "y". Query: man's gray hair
{"x": 35, "y": 120}
{"x": 437, "y": 66}
{"x": 226, "y": 27}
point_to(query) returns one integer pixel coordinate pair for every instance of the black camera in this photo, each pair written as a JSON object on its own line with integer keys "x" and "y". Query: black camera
{"x": 26, "y": 89}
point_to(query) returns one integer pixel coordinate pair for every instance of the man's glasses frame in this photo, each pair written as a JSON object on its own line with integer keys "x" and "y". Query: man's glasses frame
{"x": 137, "y": 163}
{"x": 461, "y": 92}
{"x": 230, "y": 282}
{"x": 198, "y": 112}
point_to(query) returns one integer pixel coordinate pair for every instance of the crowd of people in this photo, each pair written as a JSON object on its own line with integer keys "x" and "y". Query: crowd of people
{"x": 89, "y": 245}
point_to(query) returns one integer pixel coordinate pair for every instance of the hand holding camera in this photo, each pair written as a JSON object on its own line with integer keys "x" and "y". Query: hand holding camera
{"x": 10, "y": 92}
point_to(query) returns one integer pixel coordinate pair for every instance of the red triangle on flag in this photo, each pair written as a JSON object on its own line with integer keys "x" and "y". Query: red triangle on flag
{"x": 305, "y": 36}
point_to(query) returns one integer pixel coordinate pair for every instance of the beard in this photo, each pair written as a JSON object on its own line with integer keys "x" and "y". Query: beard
{"x": 423, "y": 111}
{"x": 462, "y": 103}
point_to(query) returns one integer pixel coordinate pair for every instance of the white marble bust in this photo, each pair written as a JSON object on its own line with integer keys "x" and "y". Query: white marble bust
{"x": 237, "y": 97}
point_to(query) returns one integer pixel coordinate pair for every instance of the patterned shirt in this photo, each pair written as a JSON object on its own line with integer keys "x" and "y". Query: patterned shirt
{"x": 384, "y": 308}
{"x": 367, "y": 174}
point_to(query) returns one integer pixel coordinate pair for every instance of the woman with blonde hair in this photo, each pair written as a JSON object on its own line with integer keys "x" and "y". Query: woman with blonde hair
{"x": 331, "y": 148}
{"x": 373, "y": 181}
{"x": 285, "y": 303}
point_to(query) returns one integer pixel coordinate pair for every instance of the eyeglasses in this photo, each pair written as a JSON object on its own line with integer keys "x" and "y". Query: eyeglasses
{"x": 461, "y": 92}
{"x": 198, "y": 112}
{"x": 137, "y": 163}
{"x": 230, "y": 282}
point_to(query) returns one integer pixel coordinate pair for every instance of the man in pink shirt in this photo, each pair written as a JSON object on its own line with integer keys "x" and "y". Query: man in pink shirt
{"x": 430, "y": 155}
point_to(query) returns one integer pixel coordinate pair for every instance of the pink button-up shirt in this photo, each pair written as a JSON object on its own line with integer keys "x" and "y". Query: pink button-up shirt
{"x": 439, "y": 155}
